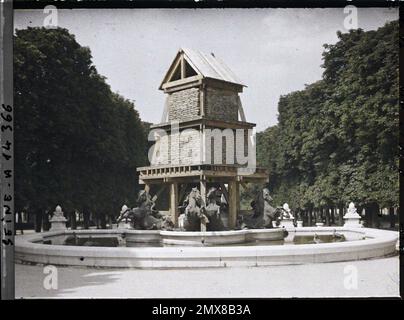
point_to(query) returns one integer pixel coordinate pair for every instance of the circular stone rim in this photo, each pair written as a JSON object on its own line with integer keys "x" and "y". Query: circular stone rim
{"x": 378, "y": 243}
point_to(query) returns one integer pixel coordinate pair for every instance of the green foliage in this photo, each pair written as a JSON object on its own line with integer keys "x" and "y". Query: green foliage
{"x": 337, "y": 140}
{"x": 77, "y": 143}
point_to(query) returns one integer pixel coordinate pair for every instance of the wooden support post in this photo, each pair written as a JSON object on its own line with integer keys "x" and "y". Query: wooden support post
{"x": 174, "y": 202}
{"x": 233, "y": 206}
{"x": 225, "y": 193}
{"x": 203, "y": 196}
{"x": 203, "y": 191}
{"x": 237, "y": 199}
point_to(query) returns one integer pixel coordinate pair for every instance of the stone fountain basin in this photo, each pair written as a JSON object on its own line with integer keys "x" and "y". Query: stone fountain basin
{"x": 363, "y": 243}
{"x": 217, "y": 238}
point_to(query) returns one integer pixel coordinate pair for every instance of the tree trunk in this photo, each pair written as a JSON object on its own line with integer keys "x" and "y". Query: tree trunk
{"x": 371, "y": 215}
{"x": 38, "y": 220}
{"x": 320, "y": 215}
{"x": 95, "y": 218}
{"x": 332, "y": 216}
{"x": 368, "y": 216}
{"x": 109, "y": 222}
{"x": 86, "y": 217}
{"x": 327, "y": 216}
{"x": 45, "y": 222}
{"x": 103, "y": 221}
{"x": 73, "y": 222}
{"x": 375, "y": 215}
{"x": 309, "y": 218}
{"x": 392, "y": 218}
{"x": 341, "y": 216}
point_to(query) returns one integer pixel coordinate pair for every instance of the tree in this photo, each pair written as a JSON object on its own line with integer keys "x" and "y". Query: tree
{"x": 77, "y": 143}
{"x": 337, "y": 140}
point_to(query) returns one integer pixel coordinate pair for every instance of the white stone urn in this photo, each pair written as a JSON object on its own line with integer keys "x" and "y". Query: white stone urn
{"x": 58, "y": 221}
{"x": 299, "y": 223}
{"x": 352, "y": 218}
{"x": 287, "y": 217}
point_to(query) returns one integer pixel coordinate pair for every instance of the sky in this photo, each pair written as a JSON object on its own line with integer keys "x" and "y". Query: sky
{"x": 273, "y": 51}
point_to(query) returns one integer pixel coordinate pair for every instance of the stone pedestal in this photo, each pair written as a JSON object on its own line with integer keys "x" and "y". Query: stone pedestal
{"x": 58, "y": 221}
{"x": 124, "y": 225}
{"x": 204, "y": 222}
{"x": 299, "y": 223}
{"x": 287, "y": 217}
{"x": 352, "y": 218}
{"x": 287, "y": 223}
{"x": 225, "y": 220}
{"x": 203, "y": 226}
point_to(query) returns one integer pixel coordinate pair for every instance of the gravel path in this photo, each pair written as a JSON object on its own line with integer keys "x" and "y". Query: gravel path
{"x": 378, "y": 277}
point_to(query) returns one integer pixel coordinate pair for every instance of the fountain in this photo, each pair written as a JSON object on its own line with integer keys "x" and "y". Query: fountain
{"x": 152, "y": 248}
{"x": 203, "y": 226}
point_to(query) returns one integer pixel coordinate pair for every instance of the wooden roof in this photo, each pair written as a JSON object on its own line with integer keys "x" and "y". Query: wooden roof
{"x": 203, "y": 65}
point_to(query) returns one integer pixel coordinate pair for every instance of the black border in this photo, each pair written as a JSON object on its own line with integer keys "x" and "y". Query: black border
{"x": 194, "y": 4}
{"x": 260, "y": 304}
{"x": 7, "y": 153}
{"x": 401, "y": 145}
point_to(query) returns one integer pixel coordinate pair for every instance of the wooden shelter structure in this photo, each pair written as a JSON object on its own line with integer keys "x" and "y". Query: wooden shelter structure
{"x": 203, "y": 138}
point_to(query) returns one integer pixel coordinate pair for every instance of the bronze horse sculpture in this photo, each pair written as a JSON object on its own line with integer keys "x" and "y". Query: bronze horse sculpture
{"x": 194, "y": 213}
{"x": 263, "y": 213}
{"x": 213, "y": 211}
{"x": 145, "y": 216}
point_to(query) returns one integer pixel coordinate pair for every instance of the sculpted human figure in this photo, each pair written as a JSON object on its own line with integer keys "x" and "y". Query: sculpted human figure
{"x": 287, "y": 212}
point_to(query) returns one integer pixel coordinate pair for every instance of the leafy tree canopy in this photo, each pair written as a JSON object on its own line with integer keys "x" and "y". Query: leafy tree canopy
{"x": 337, "y": 140}
{"x": 77, "y": 143}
